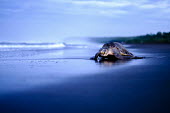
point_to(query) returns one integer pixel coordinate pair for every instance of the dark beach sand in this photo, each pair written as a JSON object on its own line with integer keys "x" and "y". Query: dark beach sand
{"x": 79, "y": 85}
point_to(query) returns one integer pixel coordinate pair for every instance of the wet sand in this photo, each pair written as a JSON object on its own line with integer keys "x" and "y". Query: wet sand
{"x": 80, "y": 85}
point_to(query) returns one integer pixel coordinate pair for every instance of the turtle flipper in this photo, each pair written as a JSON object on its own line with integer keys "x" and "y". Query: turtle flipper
{"x": 136, "y": 57}
{"x": 96, "y": 56}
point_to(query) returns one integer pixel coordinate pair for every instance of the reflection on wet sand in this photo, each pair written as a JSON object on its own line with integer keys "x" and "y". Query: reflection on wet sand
{"x": 108, "y": 62}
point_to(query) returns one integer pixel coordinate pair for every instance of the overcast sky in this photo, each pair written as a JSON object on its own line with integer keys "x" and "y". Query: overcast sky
{"x": 52, "y": 20}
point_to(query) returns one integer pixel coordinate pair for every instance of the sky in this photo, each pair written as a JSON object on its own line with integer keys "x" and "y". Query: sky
{"x": 53, "y": 20}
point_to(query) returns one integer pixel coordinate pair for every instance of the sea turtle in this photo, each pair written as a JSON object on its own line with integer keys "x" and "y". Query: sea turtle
{"x": 114, "y": 50}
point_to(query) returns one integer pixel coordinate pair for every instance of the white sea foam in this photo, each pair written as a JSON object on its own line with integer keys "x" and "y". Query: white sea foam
{"x": 8, "y": 46}
{"x": 59, "y": 45}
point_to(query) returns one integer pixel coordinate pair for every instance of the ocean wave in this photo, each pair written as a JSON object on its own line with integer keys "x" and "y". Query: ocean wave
{"x": 32, "y": 45}
{"x": 7, "y": 46}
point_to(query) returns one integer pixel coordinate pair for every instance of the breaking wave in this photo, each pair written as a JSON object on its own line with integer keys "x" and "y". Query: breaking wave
{"x": 32, "y": 46}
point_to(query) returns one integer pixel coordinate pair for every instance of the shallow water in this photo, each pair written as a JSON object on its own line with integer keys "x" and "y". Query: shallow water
{"x": 65, "y": 80}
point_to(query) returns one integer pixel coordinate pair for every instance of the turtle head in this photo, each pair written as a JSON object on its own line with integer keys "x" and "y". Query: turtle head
{"x": 107, "y": 49}
{"x": 103, "y": 52}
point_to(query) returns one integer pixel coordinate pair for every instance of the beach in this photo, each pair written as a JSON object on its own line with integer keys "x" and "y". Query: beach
{"x": 65, "y": 80}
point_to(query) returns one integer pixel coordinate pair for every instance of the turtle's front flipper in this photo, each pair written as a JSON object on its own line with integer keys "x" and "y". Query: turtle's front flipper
{"x": 136, "y": 57}
{"x": 96, "y": 56}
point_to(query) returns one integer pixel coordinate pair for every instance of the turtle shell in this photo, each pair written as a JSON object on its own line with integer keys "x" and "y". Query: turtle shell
{"x": 118, "y": 50}
{"x": 122, "y": 49}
